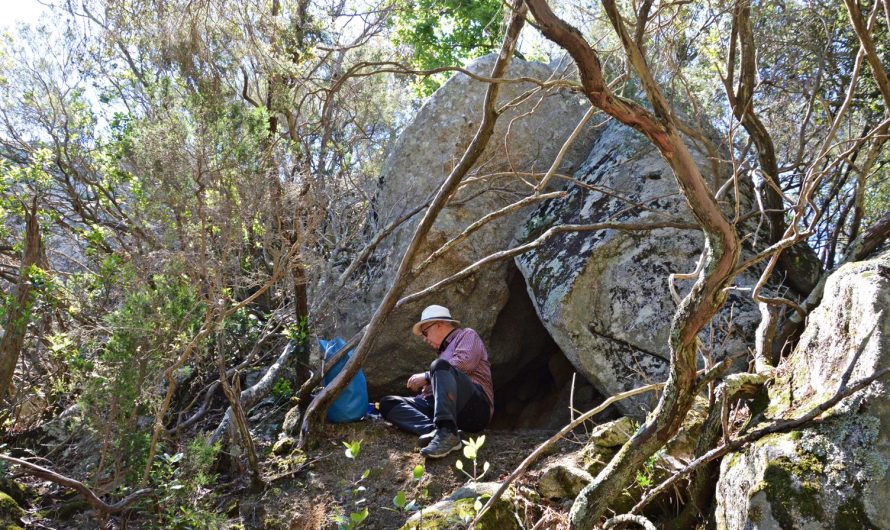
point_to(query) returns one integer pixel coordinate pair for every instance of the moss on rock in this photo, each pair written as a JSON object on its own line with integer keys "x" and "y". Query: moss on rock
{"x": 19, "y": 493}
{"x": 10, "y": 512}
{"x": 461, "y": 507}
{"x": 792, "y": 490}
{"x": 851, "y": 515}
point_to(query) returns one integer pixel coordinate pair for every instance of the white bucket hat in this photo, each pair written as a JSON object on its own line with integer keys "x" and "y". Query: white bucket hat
{"x": 434, "y": 313}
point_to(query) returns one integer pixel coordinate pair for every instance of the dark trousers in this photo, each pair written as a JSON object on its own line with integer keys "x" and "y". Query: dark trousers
{"x": 455, "y": 398}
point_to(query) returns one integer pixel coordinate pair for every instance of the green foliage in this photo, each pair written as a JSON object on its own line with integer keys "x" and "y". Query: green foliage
{"x": 645, "y": 477}
{"x": 353, "y": 449}
{"x": 243, "y": 329}
{"x": 152, "y": 326}
{"x": 299, "y": 332}
{"x": 282, "y": 389}
{"x": 184, "y": 483}
{"x": 355, "y": 502}
{"x": 877, "y": 196}
{"x": 401, "y": 500}
{"x": 447, "y": 33}
{"x": 471, "y": 453}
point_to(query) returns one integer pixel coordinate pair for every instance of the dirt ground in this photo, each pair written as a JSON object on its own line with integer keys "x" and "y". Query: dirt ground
{"x": 308, "y": 491}
{"x": 326, "y": 486}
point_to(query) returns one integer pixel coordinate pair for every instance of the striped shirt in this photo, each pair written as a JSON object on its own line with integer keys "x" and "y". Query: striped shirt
{"x": 464, "y": 350}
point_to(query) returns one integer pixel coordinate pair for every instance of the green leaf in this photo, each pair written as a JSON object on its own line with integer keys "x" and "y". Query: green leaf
{"x": 399, "y": 500}
{"x": 353, "y": 449}
{"x": 358, "y": 517}
{"x": 418, "y": 472}
{"x": 459, "y": 465}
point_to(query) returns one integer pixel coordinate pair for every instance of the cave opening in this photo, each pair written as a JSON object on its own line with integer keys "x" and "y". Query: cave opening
{"x": 533, "y": 380}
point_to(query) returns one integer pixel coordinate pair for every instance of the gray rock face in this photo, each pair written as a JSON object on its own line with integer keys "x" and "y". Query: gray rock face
{"x": 562, "y": 480}
{"x": 526, "y": 140}
{"x": 603, "y": 296}
{"x": 835, "y": 474}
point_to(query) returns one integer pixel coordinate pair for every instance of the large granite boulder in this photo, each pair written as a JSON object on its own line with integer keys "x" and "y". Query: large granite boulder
{"x": 526, "y": 140}
{"x": 603, "y": 295}
{"x": 835, "y": 473}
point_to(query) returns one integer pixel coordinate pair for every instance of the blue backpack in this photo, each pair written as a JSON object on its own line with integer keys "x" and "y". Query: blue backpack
{"x": 352, "y": 403}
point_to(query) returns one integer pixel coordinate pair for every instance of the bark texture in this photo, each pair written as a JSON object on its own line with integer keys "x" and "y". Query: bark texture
{"x": 18, "y": 312}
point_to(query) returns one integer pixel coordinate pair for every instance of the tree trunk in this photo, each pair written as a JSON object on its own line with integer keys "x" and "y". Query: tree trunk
{"x": 18, "y": 313}
{"x": 800, "y": 264}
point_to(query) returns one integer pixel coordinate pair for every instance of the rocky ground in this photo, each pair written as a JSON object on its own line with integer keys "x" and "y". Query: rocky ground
{"x": 309, "y": 491}
{"x": 326, "y": 487}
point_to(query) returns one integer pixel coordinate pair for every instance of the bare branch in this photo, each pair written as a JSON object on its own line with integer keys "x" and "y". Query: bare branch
{"x": 506, "y": 210}
{"x": 721, "y": 249}
{"x": 565, "y": 148}
{"x": 88, "y": 494}
{"x": 250, "y": 396}
{"x": 515, "y": 251}
{"x": 705, "y": 377}
{"x": 541, "y": 449}
{"x": 863, "y": 32}
{"x": 628, "y": 518}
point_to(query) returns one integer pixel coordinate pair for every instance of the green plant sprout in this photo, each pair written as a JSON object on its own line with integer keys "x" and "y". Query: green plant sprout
{"x": 466, "y": 513}
{"x": 471, "y": 453}
{"x": 645, "y": 476}
{"x": 401, "y": 502}
{"x": 353, "y": 449}
{"x": 358, "y": 515}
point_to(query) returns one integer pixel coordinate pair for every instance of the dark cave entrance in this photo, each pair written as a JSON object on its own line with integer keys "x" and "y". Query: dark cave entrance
{"x": 532, "y": 377}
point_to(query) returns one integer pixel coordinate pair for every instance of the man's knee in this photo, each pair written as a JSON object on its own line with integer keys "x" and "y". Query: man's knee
{"x": 387, "y": 403}
{"x": 440, "y": 364}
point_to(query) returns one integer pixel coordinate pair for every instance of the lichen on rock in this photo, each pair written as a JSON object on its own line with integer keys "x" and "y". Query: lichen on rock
{"x": 834, "y": 473}
{"x": 603, "y": 295}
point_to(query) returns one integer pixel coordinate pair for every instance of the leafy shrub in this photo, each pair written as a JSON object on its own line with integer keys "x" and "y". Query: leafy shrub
{"x": 147, "y": 333}
{"x": 184, "y": 481}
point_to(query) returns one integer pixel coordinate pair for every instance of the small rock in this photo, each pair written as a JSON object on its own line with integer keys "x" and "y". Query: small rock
{"x": 614, "y": 433}
{"x": 10, "y": 512}
{"x": 562, "y": 480}
{"x": 291, "y": 420}
{"x": 19, "y": 493}
{"x": 459, "y": 508}
{"x": 284, "y": 445}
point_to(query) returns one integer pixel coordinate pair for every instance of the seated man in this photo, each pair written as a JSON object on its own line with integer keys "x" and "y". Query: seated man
{"x": 455, "y": 393}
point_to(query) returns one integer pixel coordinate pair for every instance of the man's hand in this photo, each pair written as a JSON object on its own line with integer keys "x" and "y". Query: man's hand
{"x": 416, "y": 382}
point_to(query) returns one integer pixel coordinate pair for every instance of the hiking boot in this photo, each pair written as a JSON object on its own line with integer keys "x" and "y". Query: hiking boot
{"x": 424, "y": 439}
{"x": 442, "y": 443}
